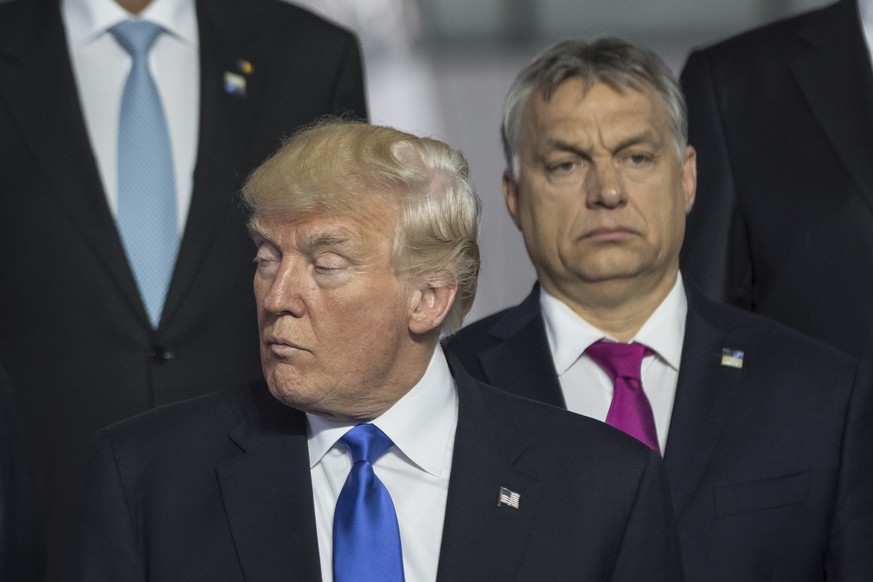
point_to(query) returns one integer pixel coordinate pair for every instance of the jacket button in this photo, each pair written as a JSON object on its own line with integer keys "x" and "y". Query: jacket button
{"x": 160, "y": 355}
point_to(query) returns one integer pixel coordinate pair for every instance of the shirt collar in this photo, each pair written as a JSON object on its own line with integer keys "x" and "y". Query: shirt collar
{"x": 569, "y": 335}
{"x": 420, "y": 424}
{"x": 864, "y": 6}
{"x": 865, "y": 9}
{"x": 87, "y": 20}
{"x": 664, "y": 331}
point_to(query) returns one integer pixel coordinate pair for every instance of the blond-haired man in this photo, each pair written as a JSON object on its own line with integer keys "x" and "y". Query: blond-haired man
{"x": 366, "y": 252}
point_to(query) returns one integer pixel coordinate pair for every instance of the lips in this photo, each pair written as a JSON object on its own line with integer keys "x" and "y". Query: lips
{"x": 281, "y": 346}
{"x": 609, "y": 234}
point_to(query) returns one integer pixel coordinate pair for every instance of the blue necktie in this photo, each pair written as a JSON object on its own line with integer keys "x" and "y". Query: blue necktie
{"x": 146, "y": 182}
{"x": 366, "y": 538}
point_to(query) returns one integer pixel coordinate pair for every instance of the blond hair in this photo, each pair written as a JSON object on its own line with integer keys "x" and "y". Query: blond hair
{"x": 352, "y": 167}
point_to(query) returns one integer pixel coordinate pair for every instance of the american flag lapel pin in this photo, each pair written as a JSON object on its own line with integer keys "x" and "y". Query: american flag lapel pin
{"x": 732, "y": 358}
{"x": 508, "y": 498}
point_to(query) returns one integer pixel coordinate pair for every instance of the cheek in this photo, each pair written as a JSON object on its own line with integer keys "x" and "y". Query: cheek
{"x": 260, "y": 290}
{"x": 669, "y": 223}
{"x": 356, "y": 319}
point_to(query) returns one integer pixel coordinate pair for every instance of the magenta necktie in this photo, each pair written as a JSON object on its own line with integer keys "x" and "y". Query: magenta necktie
{"x": 630, "y": 410}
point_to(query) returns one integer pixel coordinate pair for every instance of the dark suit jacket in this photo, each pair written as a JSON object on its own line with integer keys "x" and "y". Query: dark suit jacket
{"x": 218, "y": 489}
{"x": 74, "y": 335}
{"x": 21, "y": 544}
{"x": 782, "y": 119}
{"x": 770, "y": 466}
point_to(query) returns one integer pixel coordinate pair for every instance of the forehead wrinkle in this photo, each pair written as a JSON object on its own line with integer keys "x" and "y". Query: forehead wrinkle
{"x": 579, "y": 147}
{"x": 307, "y": 238}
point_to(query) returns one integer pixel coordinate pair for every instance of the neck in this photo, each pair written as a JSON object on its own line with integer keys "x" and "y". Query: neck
{"x": 133, "y": 6}
{"x": 618, "y": 307}
{"x": 399, "y": 380}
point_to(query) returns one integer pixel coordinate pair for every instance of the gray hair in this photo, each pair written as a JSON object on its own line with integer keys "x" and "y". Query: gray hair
{"x": 353, "y": 168}
{"x": 615, "y": 62}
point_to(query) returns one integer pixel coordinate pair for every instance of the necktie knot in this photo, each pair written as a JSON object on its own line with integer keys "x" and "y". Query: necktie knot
{"x": 617, "y": 359}
{"x": 136, "y": 36}
{"x": 629, "y": 410}
{"x": 366, "y": 442}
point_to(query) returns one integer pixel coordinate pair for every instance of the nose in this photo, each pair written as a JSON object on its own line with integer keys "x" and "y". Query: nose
{"x": 281, "y": 292}
{"x": 603, "y": 185}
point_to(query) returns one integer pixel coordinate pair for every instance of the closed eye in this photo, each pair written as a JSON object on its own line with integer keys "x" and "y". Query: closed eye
{"x": 328, "y": 263}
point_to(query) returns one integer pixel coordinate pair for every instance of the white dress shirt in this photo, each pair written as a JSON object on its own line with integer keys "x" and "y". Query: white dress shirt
{"x": 101, "y": 65}
{"x": 587, "y": 388}
{"x": 415, "y": 470}
{"x": 866, "y": 9}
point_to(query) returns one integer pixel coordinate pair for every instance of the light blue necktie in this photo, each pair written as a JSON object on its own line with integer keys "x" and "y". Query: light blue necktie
{"x": 146, "y": 182}
{"x": 366, "y": 538}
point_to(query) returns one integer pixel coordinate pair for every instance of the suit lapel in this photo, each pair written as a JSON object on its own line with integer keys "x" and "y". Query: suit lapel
{"x": 481, "y": 539}
{"x": 268, "y": 481}
{"x": 37, "y": 83}
{"x": 705, "y": 393}
{"x": 522, "y": 363}
{"x": 227, "y": 120}
{"x": 837, "y": 56}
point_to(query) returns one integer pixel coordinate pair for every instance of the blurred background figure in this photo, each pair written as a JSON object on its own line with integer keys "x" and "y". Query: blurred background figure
{"x": 126, "y": 130}
{"x": 782, "y": 119}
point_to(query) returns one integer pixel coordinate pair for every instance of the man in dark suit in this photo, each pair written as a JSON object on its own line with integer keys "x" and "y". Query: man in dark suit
{"x": 76, "y": 337}
{"x": 781, "y": 118}
{"x": 766, "y": 434}
{"x": 367, "y": 249}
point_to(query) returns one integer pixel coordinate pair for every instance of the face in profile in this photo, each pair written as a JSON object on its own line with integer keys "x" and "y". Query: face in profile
{"x": 333, "y": 315}
{"x": 602, "y": 192}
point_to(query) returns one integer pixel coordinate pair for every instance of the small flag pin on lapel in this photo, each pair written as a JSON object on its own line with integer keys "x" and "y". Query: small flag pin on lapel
{"x": 732, "y": 358}
{"x": 507, "y": 497}
{"x": 234, "y": 84}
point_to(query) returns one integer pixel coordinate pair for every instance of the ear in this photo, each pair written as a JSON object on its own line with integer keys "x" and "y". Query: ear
{"x": 510, "y": 196}
{"x": 431, "y": 302}
{"x": 689, "y": 177}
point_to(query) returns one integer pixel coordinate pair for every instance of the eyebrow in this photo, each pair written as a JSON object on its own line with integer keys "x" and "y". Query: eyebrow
{"x": 646, "y": 136}
{"x": 310, "y": 242}
{"x": 255, "y": 230}
{"x": 319, "y": 240}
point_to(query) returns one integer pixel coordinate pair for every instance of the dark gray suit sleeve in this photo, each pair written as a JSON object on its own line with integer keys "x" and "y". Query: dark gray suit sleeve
{"x": 715, "y": 254}
{"x": 850, "y": 551}
{"x": 105, "y": 549}
{"x": 21, "y": 542}
{"x": 650, "y": 546}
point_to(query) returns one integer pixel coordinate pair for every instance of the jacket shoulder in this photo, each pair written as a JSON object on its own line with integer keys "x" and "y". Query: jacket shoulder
{"x": 283, "y": 20}
{"x": 558, "y": 435}
{"x": 779, "y": 347}
{"x": 190, "y": 424}
{"x": 771, "y": 38}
